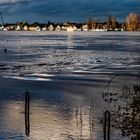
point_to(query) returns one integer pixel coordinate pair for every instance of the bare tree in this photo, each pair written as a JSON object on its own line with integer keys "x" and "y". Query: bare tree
{"x": 124, "y": 106}
{"x": 114, "y": 25}
{"x": 132, "y": 21}
{"x": 94, "y": 23}
{"x": 98, "y": 22}
{"x": 138, "y": 22}
{"x": 108, "y": 22}
{"x": 90, "y": 23}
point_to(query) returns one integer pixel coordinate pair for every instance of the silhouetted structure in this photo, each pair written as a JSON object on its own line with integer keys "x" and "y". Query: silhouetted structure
{"x": 27, "y": 111}
{"x": 108, "y": 22}
{"x": 107, "y": 125}
{"x": 5, "y": 50}
{"x": 114, "y": 23}
{"x": 90, "y": 23}
{"x": 2, "y": 17}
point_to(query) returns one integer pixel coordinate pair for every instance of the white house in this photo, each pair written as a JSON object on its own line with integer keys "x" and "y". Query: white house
{"x": 18, "y": 28}
{"x": 34, "y": 28}
{"x": 25, "y": 28}
{"x": 74, "y": 28}
{"x": 58, "y": 28}
{"x": 69, "y": 28}
{"x": 38, "y": 28}
{"x": 85, "y": 27}
{"x": 50, "y": 28}
{"x": 44, "y": 28}
{"x": 1, "y": 27}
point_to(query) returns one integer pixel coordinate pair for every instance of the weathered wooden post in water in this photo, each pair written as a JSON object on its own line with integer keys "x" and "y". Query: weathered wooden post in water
{"x": 27, "y": 113}
{"x": 107, "y": 125}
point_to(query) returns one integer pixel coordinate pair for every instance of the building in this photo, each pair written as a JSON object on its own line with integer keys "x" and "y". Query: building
{"x": 44, "y": 27}
{"x": 85, "y": 27}
{"x": 51, "y": 28}
{"x": 18, "y": 28}
{"x": 69, "y": 27}
{"x": 1, "y": 27}
{"x": 25, "y": 27}
{"x": 35, "y": 27}
{"x": 58, "y": 28}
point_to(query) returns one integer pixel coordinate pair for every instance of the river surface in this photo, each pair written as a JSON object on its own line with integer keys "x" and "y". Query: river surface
{"x": 66, "y": 74}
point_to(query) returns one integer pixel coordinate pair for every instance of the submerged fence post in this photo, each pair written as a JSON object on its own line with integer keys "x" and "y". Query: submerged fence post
{"x": 107, "y": 125}
{"x": 27, "y": 111}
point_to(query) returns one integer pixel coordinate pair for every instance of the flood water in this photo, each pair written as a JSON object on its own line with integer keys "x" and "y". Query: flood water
{"x": 66, "y": 74}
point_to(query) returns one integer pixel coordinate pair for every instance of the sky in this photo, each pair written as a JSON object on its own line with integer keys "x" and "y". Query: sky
{"x": 66, "y": 10}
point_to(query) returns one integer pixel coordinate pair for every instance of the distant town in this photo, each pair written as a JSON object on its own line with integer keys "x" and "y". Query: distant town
{"x": 132, "y": 23}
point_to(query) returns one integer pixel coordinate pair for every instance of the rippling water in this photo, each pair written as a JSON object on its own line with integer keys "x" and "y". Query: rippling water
{"x": 65, "y": 74}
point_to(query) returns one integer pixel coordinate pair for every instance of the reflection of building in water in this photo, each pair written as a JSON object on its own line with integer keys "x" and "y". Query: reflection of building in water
{"x": 11, "y": 117}
{"x": 70, "y": 40}
{"x": 85, "y": 122}
{"x": 49, "y": 121}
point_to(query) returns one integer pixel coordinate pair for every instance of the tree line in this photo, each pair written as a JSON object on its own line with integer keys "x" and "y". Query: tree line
{"x": 132, "y": 23}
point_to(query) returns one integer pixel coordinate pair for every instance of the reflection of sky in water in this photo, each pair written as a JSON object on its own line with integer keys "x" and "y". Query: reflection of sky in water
{"x": 64, "y": 72}
{"x": 53, "y": 116}
{"x": 58, "y": 110}
{"x": 67, "y": 52}
{"x": 70, "y": 40}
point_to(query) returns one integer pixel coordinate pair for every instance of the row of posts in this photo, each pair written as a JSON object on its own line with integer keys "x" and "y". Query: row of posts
{"x": 106, "y": 127}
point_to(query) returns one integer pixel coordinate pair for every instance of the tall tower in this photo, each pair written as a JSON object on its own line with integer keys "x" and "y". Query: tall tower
{"x": 1, "y": 14}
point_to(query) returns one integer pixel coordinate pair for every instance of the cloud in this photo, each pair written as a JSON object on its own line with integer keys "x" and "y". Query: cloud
{"x": 62, "y": 10}
{"x": 10, "y": 1}
{"x": 7, "y": 1}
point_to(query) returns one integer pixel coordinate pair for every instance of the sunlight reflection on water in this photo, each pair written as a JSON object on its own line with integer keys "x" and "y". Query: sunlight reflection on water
{"x": 65, "y": 74}
{"x": 50, "y": 119}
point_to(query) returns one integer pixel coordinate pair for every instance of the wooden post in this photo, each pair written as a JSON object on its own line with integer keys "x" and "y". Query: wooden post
{"x": 27, "y": 112}
{"x": 107, "y": 125}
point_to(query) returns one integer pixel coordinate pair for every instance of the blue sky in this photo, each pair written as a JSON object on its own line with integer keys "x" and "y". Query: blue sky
{"x": 66, "y": 10}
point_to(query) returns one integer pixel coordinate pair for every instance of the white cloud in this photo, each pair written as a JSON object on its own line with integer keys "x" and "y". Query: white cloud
{"x": 11, "y": 1}
{"x": 66, "y": 9}
{"x": 7, "y": 1}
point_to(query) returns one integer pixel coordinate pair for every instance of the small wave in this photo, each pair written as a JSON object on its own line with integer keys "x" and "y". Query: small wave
{"x": 28, "y": 78}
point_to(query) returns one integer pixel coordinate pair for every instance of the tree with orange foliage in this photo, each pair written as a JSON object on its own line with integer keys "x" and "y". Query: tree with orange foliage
{"x": 132, "y": 22}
